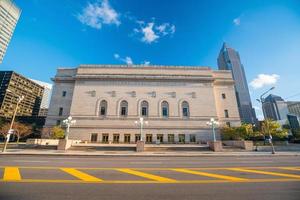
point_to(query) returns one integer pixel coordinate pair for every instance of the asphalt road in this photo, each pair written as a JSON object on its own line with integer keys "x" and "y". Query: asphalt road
{"x": 89, "y": 178}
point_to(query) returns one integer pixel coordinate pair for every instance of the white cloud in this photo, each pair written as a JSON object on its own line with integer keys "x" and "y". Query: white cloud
{"x": 237, "y": 21}
{"x": 96, "y": 14}
{"x": 263, "y": 80}
{"x": 166, "y": 29}
{"x": 116, "y": 56}
{"x": 127, "y": 59}
{"x": 146, "y": 63}
{"x": 151, "y": 32}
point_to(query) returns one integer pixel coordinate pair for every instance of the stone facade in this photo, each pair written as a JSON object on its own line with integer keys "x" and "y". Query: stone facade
{"x": 177, "y": 102}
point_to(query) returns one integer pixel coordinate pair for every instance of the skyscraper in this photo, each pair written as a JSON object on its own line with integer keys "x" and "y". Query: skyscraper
{"x": 9, "y": 15}
{"x": 13, "y": 86}
{"x": 229, "y": 59}
{"x": 46, "y": 97}
{"x": 274, "y": 107}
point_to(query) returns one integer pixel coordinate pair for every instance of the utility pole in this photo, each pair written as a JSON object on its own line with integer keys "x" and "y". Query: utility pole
{"x": 10, "y": 131}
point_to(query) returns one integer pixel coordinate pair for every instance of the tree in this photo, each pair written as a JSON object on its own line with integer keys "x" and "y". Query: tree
{"x": 243, "y": 132}
{"x": 20, "y": 130}
{"x": 57, "y": 133}
{"x": 273, "y": 128}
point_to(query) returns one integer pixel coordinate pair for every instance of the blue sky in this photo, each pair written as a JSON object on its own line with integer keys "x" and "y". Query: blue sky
{"x": 55, "y": 33}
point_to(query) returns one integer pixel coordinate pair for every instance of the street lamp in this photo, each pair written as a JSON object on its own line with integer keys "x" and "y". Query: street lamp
{"x": 68, "y": 122}
{"x": 141, "y": 123}
{"x": 10, "y": 131}
{"x": 262, "y": 100}
{"x": 213, "y": 124}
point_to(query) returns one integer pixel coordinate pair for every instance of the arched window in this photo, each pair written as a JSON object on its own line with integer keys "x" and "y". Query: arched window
{"x": 165, "y": 109}
{"x": 144, "y": 108}
{"x": 124, "y": 108}
{"x": 103, "y": 108}
{"x": 185, "y": 109}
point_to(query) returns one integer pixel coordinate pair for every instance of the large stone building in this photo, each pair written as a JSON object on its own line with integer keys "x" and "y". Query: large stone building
{"x": 13, "y": 86}
{"x": 177, "y": 102}
{"x": 9, "y": 16}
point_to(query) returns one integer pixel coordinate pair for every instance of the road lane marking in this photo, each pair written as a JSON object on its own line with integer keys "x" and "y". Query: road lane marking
{"x": 31, "y": 161}
{"x": 290, "y": 168}
{"x": 228, "y": 178}
{"x": 265, "y": 172}
{"x": 149, "y": 182}
{"x": 11, "y": 174}
{"x": 148, "y": 176}
{"x": 150, "y": 168}
{"x": 81, "y": 175}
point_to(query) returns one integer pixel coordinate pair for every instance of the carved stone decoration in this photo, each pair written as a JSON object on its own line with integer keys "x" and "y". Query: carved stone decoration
{"x": 194, "y": 95}
{"x": 92, "y": 93}
{"x": 153, "y": 94}
{"x": 173, "y": 94}
{"x": 133, "y": 94}
{"x": 113, "y": 93}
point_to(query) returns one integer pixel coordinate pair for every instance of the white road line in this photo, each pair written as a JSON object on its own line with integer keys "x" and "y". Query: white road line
{"x": 31, "y": 161}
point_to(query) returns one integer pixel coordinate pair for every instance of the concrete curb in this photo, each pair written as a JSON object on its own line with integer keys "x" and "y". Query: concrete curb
{"x": 162, "y": 154}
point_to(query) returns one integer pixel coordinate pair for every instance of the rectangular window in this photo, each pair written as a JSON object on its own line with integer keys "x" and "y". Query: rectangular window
{"x": 226, "y": 113}
{"x": 144, "y": 111}
{"x": 60, "y": 113}
{"x": 58, "y": 122}
{"x": 165, "y": 112}
{"x": 185, "y": 112}
{"x": 181, "y": 138}
{"x": 171, "y": 138}
{"x": 137, "y": 137}
{"x": 223, "y": 96}
{"x": 192, "y": 138}
{"x": 160, "y": 138}
{"x": 105, "y": 138}
{"x": 103, "y": 111}
{"x": 123, "y": 111}
{"x": 94, "y": 137}
{"x": 64, "y": 93}
{"x": 149, "y": 138}
{"x": 127, "y": 138}
{"x": 228, "y": 124}
{"x": 116, "y": 138}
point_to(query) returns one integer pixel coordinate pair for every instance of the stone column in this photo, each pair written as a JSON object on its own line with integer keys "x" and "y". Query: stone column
{"x": 176, "y": 138}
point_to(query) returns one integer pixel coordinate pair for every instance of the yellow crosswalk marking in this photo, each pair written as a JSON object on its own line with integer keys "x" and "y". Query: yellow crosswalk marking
{"x": 148, "y": 176}
{"x": 11, "y": 174}
{"x": 81, "y": 175}
{"x": 265, "y": 172}
{"x": 290, "y": 168}
{"x": 229, "y": 178}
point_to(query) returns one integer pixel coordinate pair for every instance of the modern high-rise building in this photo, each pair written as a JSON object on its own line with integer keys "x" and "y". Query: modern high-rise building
{"x": 274, "y": 107}
{"x": 46, "y": 97}
{"x": 9, "y": 16}
{"x": 13, "y": 86}
{"x": 284, "y": 112}
{"x": 229, "y": 59}
{"x": 294, "y": 107}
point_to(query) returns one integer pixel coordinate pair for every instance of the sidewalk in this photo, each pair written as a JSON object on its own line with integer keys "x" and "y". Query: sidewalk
{"x": 45, "y": 152}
